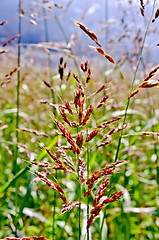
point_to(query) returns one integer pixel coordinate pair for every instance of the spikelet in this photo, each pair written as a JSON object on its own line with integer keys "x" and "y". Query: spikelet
{"x": 34, "y": 132}
{"x": 92, "y": 135}
{"x": 88, "y": 75}
{"x": 99, "y": 205}
{"x": 88, "y": 114}
{"x": 147, "y": 82}
{"x": 69, "y": 206}
{"x": 103, "y": 144}
{"x": 45, "y": 164}
{"x": 81, "y": 169}
{"x": 76, "y": 77}
{"x": 2, "y": 23}
{"x": 84, "y": 66}
{"x": 64, "y": 116}
{"x": 58, "y": 161}
{"x": 79, "y": 140}
{"x": 102, "y": 101}
{"x": 101, "y": 51}
{"x": 68, "y": 107}
{"x": 156, "y": 15}
{"x": 134, "y": 93}
{"x": 4, "y": 51}
{"x": 142, "y": 8}
{"x": 151, "y": 73}
{"x": 100, "y": 89}
{"x": 61, "y": 127}
{"x": 48, "y": 85}
{"x": 11, "y": 39}
{"x": 77, "y": 98}
{"x": 46, "y": 180}
{"x": 89, "y": 33}
{"x": 103, "y": 125}
{"x": 68, "y": 137}
{"x": 68, "y": 75}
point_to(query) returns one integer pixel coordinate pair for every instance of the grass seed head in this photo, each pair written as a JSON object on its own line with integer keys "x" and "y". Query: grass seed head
{"x": 88, "y": 114}
{"x": 89, "y": 33}
{"x": 101, "y": 51}
{"x": 92, "y": 135}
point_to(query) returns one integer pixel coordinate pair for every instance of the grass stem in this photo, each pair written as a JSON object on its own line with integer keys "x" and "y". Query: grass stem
{"x": 79, "y": 208}
{"x": 132, "y": 85}
{"x": 87, "y": 178}
{"x": 17, "y": 113}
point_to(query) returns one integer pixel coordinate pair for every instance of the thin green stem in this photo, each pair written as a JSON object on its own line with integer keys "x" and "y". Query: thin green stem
{"x": 18, "y": 106}
{"x": 18, "y": 86}
{"x": 101, "y": 228}
{"x": 79, "y": 208}
{"x": 53, "y": 109}
{"x": 87, "y": 178}
{"x": 54, "y": 211}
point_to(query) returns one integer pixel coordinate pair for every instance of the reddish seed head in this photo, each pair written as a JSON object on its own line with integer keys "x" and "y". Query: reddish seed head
{"x": 101, "y": 51}
{"x": 88, "y": 75}
{"x": 81, "y": 169}
{"x": 88, "y": 114}
{"x": 63, "y": 197}
{"x": 46, "y": 180}
{"x": 79, "y": 140}
{"x": 53, "y": 157}
{"x": 102, "y": 101}
{"x": 11, "y": 39}
{"x": 68, "y": 75}
{"x": 64, "y": 116}
{"x": 80, "y": 115}
{"x": 88, "y": 32}
{"x": 134, "y": 93}
{"x": 68, "y": 107}
{"x": 117, "y": 195}
{"x": 92, "y": 135}
{"x": 88, "y": 193}
{"x": 58, "y": 188}
{"x": 86, "y": 65}
{"x": 61, "y": 127}
{"x": 90, "y": 220}
{"x": 103, "y": 186}
{"x": 108, "y": 172}
{"x": 110, "y": 121}
{"x": 77, "y": 98}
{"x": 77, "y": 79}
{"x": 156, "y": 15}
{"x": 100, "y": 89}
{"x": 2, "y": 23}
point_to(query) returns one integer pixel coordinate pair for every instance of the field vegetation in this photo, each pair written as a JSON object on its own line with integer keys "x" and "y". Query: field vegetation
{"x": 79, "y": 133}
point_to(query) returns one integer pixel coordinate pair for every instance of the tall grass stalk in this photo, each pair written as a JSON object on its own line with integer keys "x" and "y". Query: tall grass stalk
{"x": 134, "y": 77}
{"x": 150, "y": 116}
{"x": 87, "y": 177}
{"x": 53, "y": 109}
{"x": 127, "y": 235}
{"x": 79, "y": 208}
{"x": 106, "y": 79}
{"x": 79, "y": 196}
{"x": 17, "y": 106}
{"x": 102, "y": 224}
{"x": 88, "y": 163}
